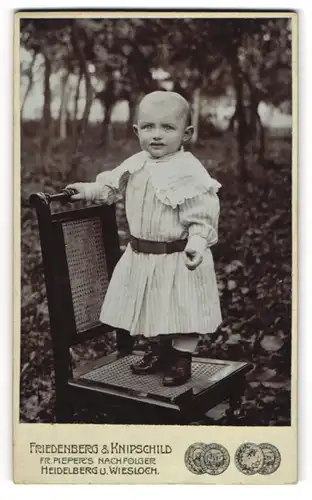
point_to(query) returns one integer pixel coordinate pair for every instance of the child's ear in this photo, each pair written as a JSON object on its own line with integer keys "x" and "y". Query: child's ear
{"x": 136, "y": 130}
{"x": 188, "y": 134}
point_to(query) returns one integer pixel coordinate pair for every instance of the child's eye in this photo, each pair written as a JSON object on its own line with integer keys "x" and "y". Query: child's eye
{"x": 147, "y": 126}
{"x": 168, "y": 127}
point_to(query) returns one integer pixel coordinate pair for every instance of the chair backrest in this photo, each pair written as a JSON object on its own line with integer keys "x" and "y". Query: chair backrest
{"x": 87, "y": 268}
{"x": 80, "y": 249}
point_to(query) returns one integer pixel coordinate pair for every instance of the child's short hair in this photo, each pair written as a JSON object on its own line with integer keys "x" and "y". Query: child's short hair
{"x": 161, "y": 95}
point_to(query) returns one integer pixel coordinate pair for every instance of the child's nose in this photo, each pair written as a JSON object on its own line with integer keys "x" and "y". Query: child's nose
{"x": 157, "y": 134}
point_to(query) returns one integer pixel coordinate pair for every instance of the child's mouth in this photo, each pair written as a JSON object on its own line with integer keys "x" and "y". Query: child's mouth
{"x": 157, "y": 145}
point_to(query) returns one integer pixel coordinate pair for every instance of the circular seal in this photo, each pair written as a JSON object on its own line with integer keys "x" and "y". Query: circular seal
{"x": 193, "y": 458}
{"x": 249, "y": 458}
{"x": 215, "y": 459}
{"x": 272, "y": 458}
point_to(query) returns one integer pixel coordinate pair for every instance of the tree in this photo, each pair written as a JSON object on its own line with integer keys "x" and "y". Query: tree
{"x": 259, "y": 60}
{"x": 29, "y": 73}
{"x": 265, "y": 60}
{"x": 50, "y": 39}
{"x": 201, "y": 55}
{"x": 79, "y": 53}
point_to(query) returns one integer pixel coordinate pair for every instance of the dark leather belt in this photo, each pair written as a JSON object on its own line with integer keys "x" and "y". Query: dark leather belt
{"x": 157, "y": 247}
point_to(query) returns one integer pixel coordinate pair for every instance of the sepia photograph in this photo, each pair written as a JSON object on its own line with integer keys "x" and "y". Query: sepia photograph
{"x": 157, "y": 237}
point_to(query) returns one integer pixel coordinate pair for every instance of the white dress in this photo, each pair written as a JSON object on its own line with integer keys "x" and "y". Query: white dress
{"x": 166, "y": 199}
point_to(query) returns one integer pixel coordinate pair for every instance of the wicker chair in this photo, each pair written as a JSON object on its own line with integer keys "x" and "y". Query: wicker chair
{"x": 80, "y": 249}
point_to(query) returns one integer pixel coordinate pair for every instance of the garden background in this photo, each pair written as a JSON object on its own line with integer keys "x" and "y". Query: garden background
{"x": 81, "y": 80}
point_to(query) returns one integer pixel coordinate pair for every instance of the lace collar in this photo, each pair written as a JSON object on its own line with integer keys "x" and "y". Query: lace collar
{"x": 178, "y": 177}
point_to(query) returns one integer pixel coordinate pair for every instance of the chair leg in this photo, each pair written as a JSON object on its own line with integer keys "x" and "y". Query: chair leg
{"x": 64, "y": 410}
{"x": 125, "y": 341}
{"x": 236, "y": 415}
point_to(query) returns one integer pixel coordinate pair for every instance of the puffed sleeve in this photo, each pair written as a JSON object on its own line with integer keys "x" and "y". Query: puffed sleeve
{"x": 107, "y": 188}
{"x": 200, "y": 215}
{"x": 110, "y": 186}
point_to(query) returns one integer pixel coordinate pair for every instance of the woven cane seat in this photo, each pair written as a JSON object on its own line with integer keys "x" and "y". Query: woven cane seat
{"x": 118, "y": 374}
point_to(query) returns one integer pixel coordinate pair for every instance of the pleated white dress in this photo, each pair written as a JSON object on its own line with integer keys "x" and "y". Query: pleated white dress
{"x": 166, "y": 199}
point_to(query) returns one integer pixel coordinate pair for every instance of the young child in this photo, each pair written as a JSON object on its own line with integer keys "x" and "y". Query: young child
{"x": 164, "y": 286}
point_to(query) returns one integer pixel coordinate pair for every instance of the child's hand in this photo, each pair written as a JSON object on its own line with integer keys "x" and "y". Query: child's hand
{"x": 80, "y": 190}
{"x": 193, "y": 258}
{"x": 194, "y": 251}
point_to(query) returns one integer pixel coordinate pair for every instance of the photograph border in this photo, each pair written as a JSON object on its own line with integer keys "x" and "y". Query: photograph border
{"x": 26, "y": 468}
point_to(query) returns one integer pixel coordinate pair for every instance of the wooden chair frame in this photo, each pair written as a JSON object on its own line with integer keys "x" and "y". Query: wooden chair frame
{"x": 125, "y": 405}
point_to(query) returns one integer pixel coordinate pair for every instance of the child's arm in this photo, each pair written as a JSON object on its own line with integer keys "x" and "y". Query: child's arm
{"x": 200, "y": 215}
{"x": 105, "y": 189}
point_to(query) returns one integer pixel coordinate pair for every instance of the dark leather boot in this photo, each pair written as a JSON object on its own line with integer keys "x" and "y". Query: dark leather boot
{"x": 180, "y": 370}
{"x": 148, "y": 364}
{"x": 154, "y": 360}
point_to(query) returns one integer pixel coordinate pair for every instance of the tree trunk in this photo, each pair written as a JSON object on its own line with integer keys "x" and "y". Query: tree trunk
{"x": 63, "y": 108}
{"x": 107, "y": 97}
{"x": 241, "y": 117}
{"x": 46, "y": 117}
{"x": 30, "y": 83}
{"x": 255, "y": 124}
{"x": 233, "y": 119}
{"x": 77, "y": 96}
{"x": 195, "y": 114}
{"x": 253, "y": 112}
{"x": 75, "y": 124}
{"x": 106, "y": 132}
{"x": 131, "y": 119}
{"x": 87, "y": 109}
{"x": 261, "y": 156}
{"x": 79, "y": 143}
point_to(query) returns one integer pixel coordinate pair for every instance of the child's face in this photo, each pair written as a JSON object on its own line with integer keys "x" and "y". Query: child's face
{"x": 161, "y": 128}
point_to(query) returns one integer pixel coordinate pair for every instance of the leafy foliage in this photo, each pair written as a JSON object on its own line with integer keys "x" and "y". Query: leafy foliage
{"x": 252, "y": 259}
{"x": 253, "y": 256}
{"x": 196, "y": 52}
